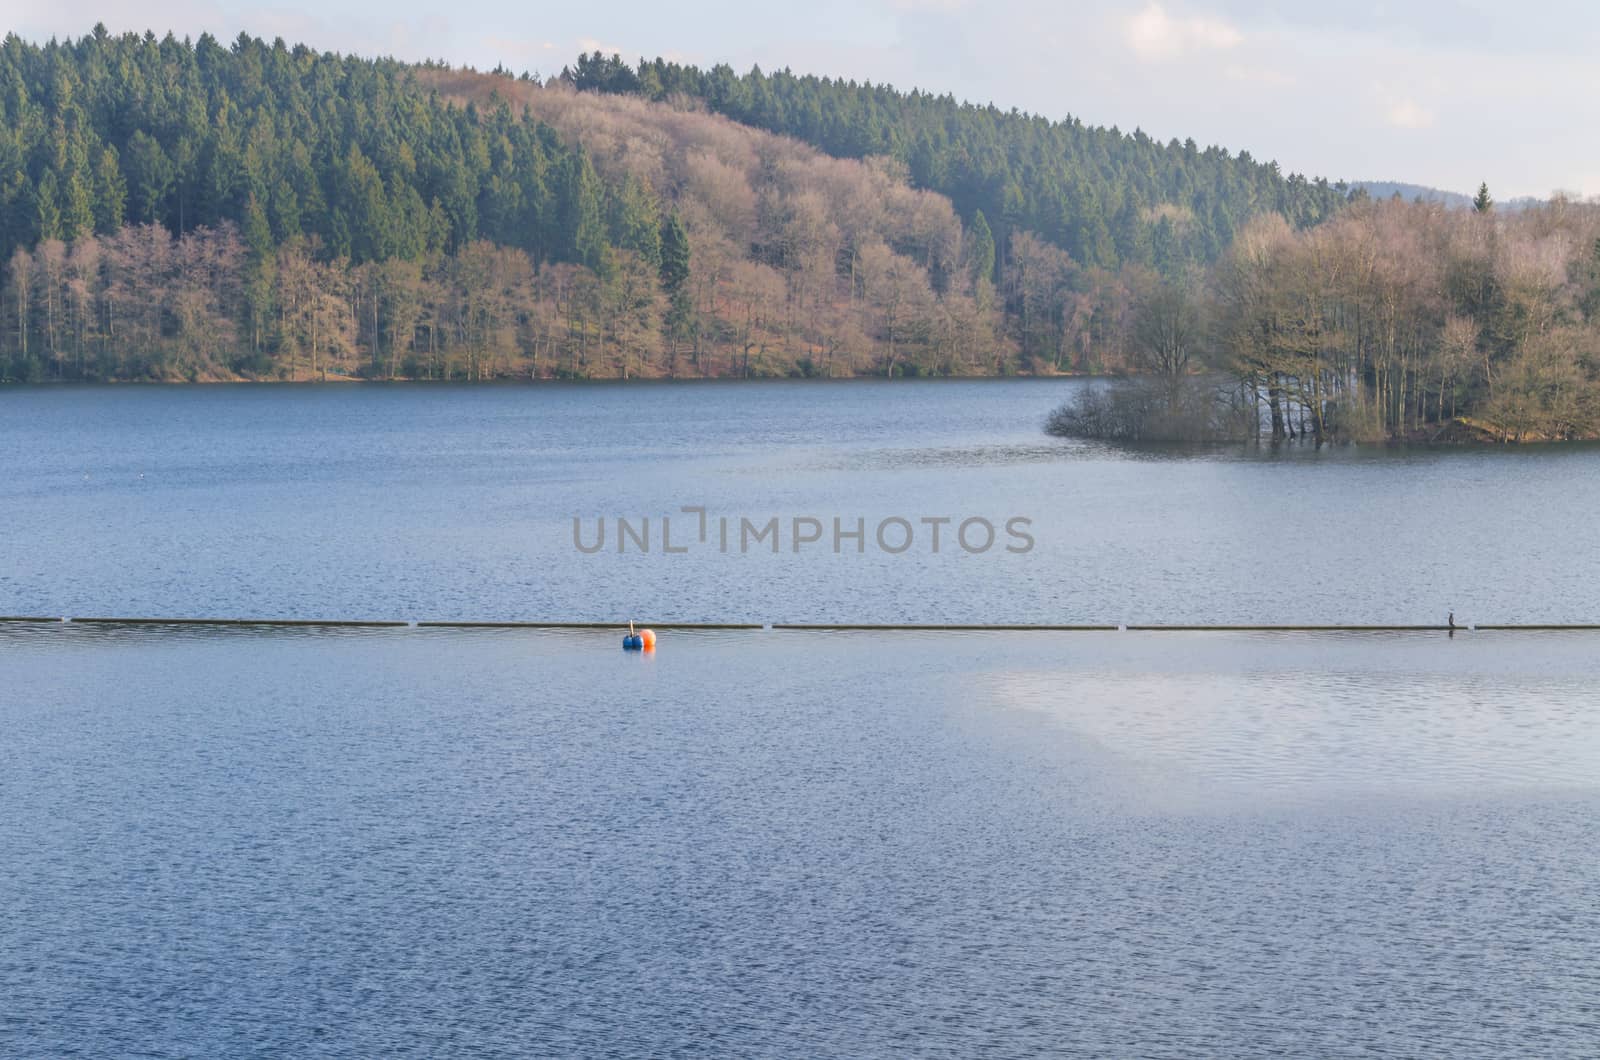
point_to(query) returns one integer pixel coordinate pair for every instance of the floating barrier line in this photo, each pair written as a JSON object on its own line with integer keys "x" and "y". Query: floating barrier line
{"x": 346, "y": 623}
{"x": 1302, "y": 628}
{"x": 324, "y": 622}
{"x": 588, "y": 625}
{"x": 812, "y": 627}
{"x": 1552, "y": 626}
{"x": 902, "y": 627}
{"x": 913, "y": 627}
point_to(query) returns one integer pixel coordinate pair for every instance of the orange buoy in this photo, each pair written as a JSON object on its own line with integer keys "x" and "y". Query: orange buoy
{"x": 648, "y": 637}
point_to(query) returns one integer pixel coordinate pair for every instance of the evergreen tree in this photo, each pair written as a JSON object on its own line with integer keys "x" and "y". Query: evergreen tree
{"x": 1482, "y": 202}
{"x": 980, "y": 249}
{"x": 77, "y": 213}
{"x": 582, "y": 235}
{"x": 674, "y": 254}
{"x": 635, "y": 221}
{"x": 47, "y": 207}
{"x": 674, "y": 274}
{"x": 366, "y": 208}
{"x": 110, "y": 193}
{"x": 151, "y": 177}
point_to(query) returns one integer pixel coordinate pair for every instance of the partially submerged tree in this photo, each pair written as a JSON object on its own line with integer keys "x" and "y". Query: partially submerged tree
{"x": 1193, "y": 409}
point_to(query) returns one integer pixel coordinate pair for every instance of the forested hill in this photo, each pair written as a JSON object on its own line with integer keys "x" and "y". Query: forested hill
{"x": 178, "y": 210}
{"x": 1105, "y": 197}
{"x": 192, "y": 210}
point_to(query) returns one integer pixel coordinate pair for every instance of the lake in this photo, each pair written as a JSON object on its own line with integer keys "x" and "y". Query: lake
{"x": 424, "y": 842}
{"x": 417, "y": 502}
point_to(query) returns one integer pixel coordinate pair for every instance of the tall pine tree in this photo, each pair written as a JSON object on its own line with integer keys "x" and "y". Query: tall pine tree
{"x": 581, "y": 231}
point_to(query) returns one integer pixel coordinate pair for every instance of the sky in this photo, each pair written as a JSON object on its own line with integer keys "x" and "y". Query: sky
{"x": 1445, "y": 93}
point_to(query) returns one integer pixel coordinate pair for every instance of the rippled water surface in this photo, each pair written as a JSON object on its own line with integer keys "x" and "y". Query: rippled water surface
{"x": 775, "y": 844}
{"x": 420, "y": 842}
{"x": 433, "y": 502}
{"x": 424, "y": 842}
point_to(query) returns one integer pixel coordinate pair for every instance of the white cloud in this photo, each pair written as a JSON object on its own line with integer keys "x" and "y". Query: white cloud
{"x": 1155, "y": 35}
{"x": 1408, "y": 114}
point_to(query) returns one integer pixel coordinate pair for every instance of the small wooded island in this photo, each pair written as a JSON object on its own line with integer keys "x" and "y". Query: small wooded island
{"x": 188, "y": 211}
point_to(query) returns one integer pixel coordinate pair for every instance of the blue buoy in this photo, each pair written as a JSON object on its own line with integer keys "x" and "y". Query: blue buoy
{"x": 632, "y": 642}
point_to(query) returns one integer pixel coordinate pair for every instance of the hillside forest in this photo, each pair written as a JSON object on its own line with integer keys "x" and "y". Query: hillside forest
{"x": 176, "y": 210}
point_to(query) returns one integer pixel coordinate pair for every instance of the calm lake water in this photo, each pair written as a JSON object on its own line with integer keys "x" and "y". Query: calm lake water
{"x": 427, "y": 502}
{"x": 423, "y": 842}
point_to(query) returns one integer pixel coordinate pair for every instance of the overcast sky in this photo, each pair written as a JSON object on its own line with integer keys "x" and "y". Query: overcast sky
{"x": 1440, "y": 92}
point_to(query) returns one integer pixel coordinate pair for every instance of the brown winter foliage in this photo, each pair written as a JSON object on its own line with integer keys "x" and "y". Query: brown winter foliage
{"x": 1413, "y": 320}
{"x": 1391, "y": 321}
{"x": 800, "y": 263}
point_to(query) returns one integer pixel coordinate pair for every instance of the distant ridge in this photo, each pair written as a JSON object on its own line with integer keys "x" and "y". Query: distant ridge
{"x": 1387, "y": 189}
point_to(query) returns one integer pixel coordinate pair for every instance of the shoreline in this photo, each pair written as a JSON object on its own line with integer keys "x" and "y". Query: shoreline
{"x": 1464, "y": 434}
{"x": 721, "y": 380}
